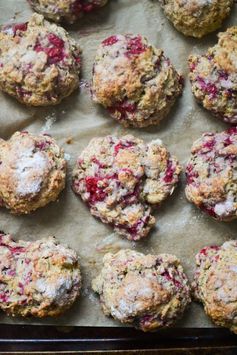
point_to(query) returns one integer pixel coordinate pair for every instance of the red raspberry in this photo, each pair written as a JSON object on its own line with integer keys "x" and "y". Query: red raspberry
{"x": 170, "y": 278}
{"x": 208, "y": 210}
{"x": 123, "y": 108}
{"x": 135, "y": 46}
{"x": 55, "y": 51}
{"x": 97, "y": 193}
{"x": 16, "y": 28}
{"x": 110, "y": 41}
{"x": 122, "y": 145}
{"x": 191, "y": 175}
{"x": 169, "y": 174}
{"x": 205, "y": 250}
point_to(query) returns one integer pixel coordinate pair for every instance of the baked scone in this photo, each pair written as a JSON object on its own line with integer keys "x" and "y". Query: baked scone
{"x": 120, "y": 178}
{"x": 211, "y": 174}
{"x": 146, "y": 291}
{"x": 215, "y": 283}
{"x": 40, "y": 278}
{"x": 134, "y": 81}
{"x": 39, "y": 62}
{"x": 65, "y": 10}
{"x": 213, "y": 77}
{"x": 196, "y": 18}
{"x": 32, "y": 172}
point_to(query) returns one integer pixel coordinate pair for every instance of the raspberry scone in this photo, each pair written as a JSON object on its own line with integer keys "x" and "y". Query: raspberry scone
{"x": 213, "y": 77}
{"x": 212, "y": 174}
{"x": 120, "y": 178}
{"x": 146, "y": 291}
{"x": 65, "y": 10}
{"x": 32, "y": 172}
{"x": 196, "y": 18}
{"x": 134, "y": 81}
{"x": 40, "y": 278}
{"x": 39, "y": 62}
{"x": 215, "y": 283}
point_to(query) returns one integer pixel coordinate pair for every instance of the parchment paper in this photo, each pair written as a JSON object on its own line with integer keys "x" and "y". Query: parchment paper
{"x": 181, "y": 228}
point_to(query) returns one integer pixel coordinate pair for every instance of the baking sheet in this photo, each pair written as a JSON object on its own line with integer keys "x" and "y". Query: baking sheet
{"x": 181, "y": 229}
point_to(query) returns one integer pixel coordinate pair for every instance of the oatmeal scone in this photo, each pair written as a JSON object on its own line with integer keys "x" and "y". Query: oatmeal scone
{"x": 134, "y": 81}
{"x": 215, "y": 283}
{"x": 213, "y": 77}
{"x": 39, "y": 62}
{"x": 146, "y": 291}
{"x": 65, "y": 10}
{"x": 32, "y": 172}
{"x": 212, "y": 174}
{"x": 121, "y": 178}
{"x": 40, "y": 278}
{"x": 196, "y": 18}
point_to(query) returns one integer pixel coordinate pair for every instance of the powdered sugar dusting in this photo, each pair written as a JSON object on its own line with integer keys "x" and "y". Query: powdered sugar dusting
{"x": 49, "y": 121}
{"x": 30, "y": 169}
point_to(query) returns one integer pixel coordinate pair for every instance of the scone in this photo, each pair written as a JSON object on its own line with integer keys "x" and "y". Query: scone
{"x": 65, "y": 10}
{"x": 32, "y": 172}
{"x": 212, "y": 174}
{"x": 121, "y": 178}
{"x": 213, "y": 77}
{"x": 146, "y": 291}
{"x": 134, "y": 81}
{"x": 39, "y": 62}
{"x": 196, "y": 18}
{"x": 215, "y": 283}
{"x": 40, "y": 278}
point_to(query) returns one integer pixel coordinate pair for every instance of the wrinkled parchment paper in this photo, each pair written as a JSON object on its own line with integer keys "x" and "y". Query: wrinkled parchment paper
{"x": 181, "y": 228}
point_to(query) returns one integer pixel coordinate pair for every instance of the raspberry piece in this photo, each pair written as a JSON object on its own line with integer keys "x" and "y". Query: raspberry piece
{"x": 170, "y": 278}
{"x": 96, "y": 192}
{"x": 110, "y": 41}
{"x": 41, "y": 145}
{"x": 83, "y": 6}
{"x": 209, "y": 144}
{"x": 88, "y": 7}
{"x": 55, "y": 52}
{"x": 13, "y": 250}
{"x": 96, "y": 161}
{"x": 208, "y": 210}
{"x": 169, "y": 174}
{"x": 135, "y": 46}
{"x": 16, "y": 28}
{"x": 55, "y": 40}
{"x": 191, "y": 175}
{"x": 22, "y": 27}
{"x": 4, "y": 297}
{"x": 232, "y": 130}
{"x": 205, "y": 250}
{"x": 208, "y": 88}
{"x": 123, "y": 108}
{"x": 122, "y": 145}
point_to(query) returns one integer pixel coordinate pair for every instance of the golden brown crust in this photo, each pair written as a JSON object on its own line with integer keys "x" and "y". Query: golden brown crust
{"x": 65, "y": 10}
{"x": 120, "y": 178}
{"x": 39, "y": 63}
{"x": 196, "y": 18}
{"x": 214, "y": 79}
{"x": 146, "y": 291}
{"x": 134, "y": 81}
{"x": 32, "y": 172}
{"x": 40, "y": 278}
{"x": 211, "y": 183}
{"x": 215, "y": 283}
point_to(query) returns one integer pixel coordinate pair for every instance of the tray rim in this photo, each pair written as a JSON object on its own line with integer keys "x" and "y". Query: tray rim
{"x": 50, "y": 338}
